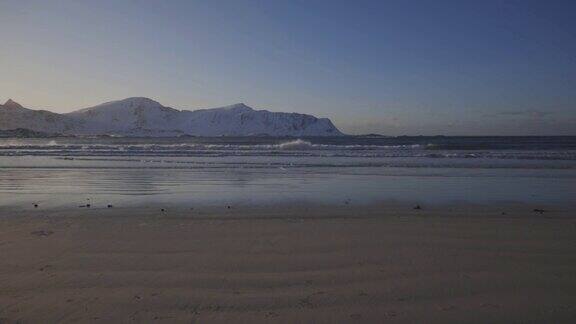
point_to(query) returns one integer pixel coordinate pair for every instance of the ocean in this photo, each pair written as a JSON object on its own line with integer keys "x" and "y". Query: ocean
{"x": 195, "y": 171}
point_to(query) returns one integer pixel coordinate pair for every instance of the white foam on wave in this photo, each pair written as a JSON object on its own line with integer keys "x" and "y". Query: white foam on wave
{"x": 296, "y": 145}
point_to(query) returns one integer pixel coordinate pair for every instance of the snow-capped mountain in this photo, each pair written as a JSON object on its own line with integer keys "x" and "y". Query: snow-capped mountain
{"x": 140, "y": 116}
{"x": 132, "y": 116}
{"x": 13, "y": 115}
{"x": 239, "y": 119}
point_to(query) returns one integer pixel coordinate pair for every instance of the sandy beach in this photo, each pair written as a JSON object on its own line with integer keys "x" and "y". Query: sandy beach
{"x": 288, "y": 265}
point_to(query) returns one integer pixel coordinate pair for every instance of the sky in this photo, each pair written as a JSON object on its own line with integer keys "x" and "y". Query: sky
{"x": 452, "y": 67}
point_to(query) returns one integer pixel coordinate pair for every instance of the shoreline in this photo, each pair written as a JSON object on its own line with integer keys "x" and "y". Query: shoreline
{"x": 277, "y": 264}
{"x": 304, "y": 208}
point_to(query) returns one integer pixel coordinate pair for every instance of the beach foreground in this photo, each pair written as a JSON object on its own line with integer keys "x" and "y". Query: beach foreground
{"x": 291, "y": 265}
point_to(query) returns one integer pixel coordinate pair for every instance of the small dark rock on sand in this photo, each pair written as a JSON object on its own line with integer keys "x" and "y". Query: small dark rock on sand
{"x": 44, "y": 268}
{"x": 355, "y": 316}
{"x": 42, "y": 233}
{"x": 539, "y": 211}
{"x": 35, "y": 205}
{"x": 110, "y": 206}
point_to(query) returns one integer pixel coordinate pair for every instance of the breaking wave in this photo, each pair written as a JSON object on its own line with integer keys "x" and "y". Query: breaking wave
{"x": 296, "y": 145}
{"x": 450, "y": 148}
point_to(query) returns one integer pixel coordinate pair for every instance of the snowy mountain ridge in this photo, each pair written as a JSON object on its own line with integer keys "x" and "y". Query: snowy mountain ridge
{"x": 139, "y": 116}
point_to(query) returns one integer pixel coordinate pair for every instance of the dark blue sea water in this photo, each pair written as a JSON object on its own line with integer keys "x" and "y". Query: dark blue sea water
{"x": 519, "y": 148}
{"x": 256, "y": 170}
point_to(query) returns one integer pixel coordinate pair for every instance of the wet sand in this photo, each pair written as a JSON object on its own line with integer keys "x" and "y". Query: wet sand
{"x": 288, "y": 265}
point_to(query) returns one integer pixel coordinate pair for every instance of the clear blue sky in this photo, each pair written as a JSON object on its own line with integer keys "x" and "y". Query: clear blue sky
{"x": 392, "y": 67}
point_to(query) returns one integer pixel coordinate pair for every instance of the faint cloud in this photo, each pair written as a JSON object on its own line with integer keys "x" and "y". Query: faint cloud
{"x": 536, "y": 114}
